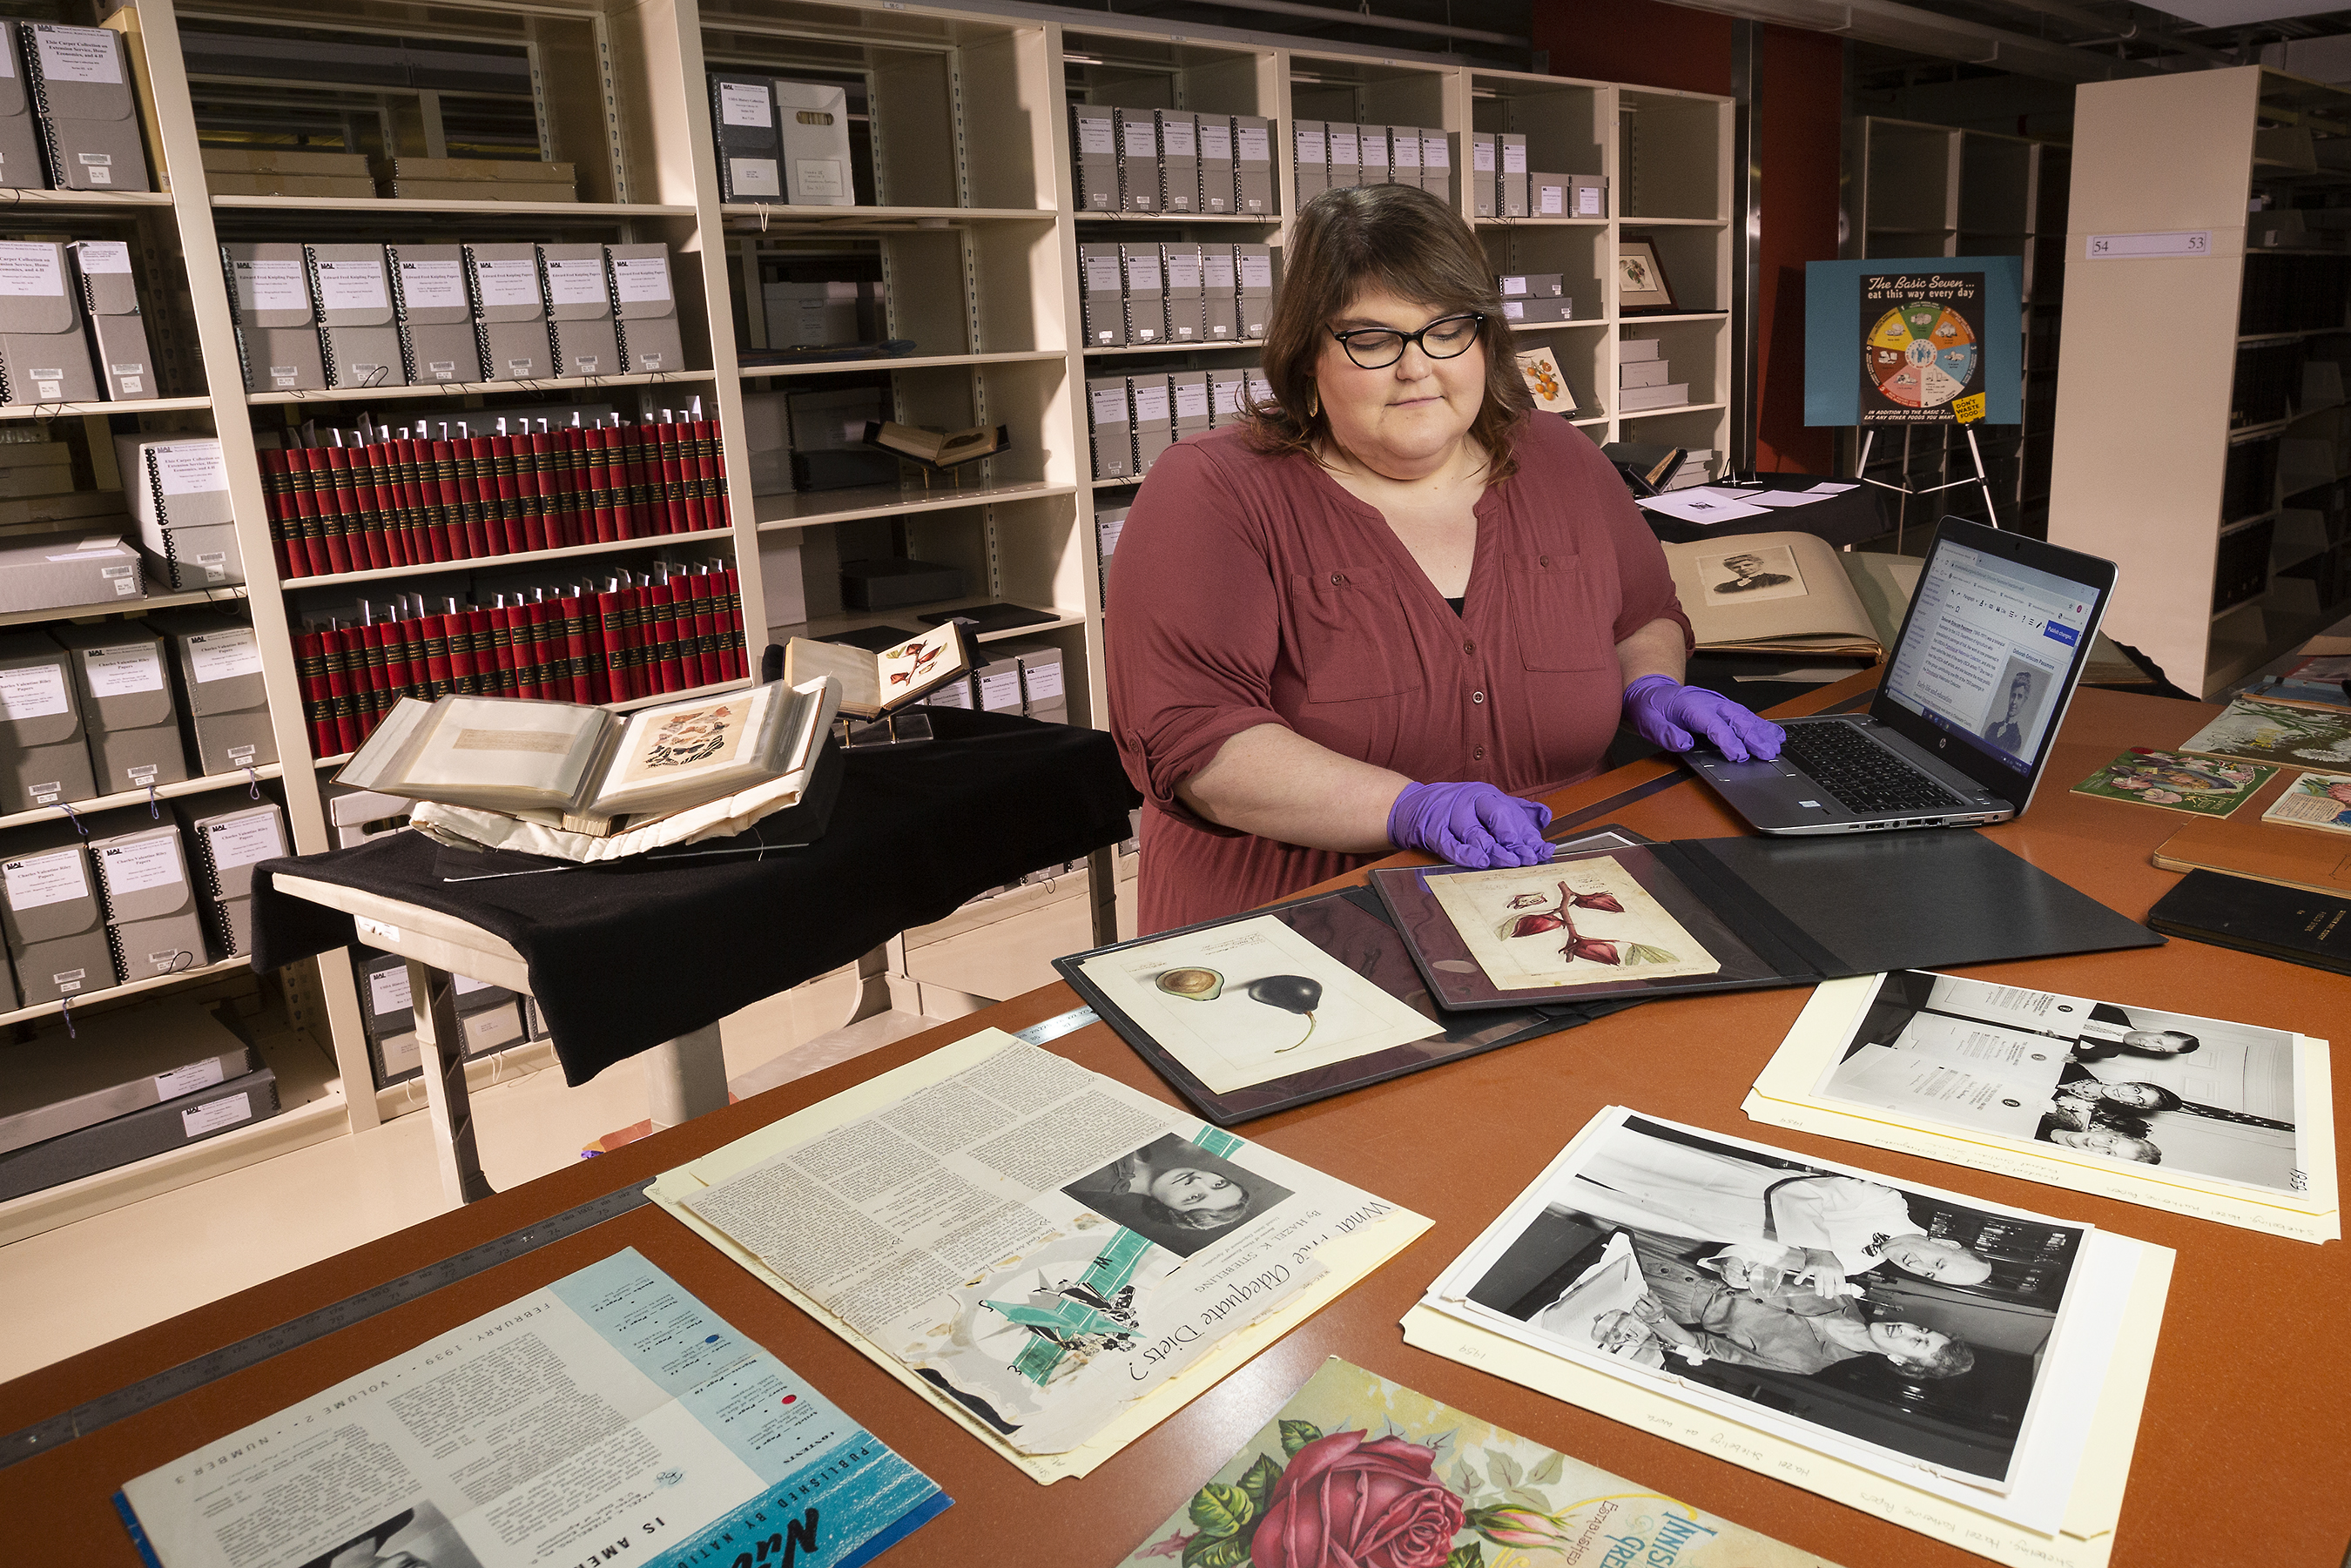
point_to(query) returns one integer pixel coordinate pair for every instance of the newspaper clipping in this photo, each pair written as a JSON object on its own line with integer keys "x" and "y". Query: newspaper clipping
{"x": 1040, "y": 1243}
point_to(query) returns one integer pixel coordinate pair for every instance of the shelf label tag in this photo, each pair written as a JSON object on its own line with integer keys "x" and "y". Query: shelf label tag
{"x": 97, "y": 256}
{"x": 2122, "y": 247}
{"x": 352, "y": 286}
{"x": 245, "y": 840}
{"x": 189, "y": 467}
{"x": 145, "y": 863}
{"x": 223, "y": 1113}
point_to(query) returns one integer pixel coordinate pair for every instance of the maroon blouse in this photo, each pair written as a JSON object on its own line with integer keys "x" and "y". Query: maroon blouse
{"x": 1250, "y": 590}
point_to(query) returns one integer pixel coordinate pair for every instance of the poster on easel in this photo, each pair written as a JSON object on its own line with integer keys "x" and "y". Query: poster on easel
{"x": 1911, "y": 341}
{"x": 1923, "y": 352}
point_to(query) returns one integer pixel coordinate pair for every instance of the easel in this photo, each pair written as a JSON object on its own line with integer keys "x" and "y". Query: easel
{"x": 1861, "y": 472}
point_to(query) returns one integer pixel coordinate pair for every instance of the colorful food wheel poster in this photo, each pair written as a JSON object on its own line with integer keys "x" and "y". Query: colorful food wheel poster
{"x": 1922, "y": 346}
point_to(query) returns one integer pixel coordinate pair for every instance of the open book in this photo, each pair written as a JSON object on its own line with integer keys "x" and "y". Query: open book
{"x": 938, "y": 448}
{"x": 1772, "y": 593}
{"x": 875, "y": 684}
{"x": 586, "y": 783}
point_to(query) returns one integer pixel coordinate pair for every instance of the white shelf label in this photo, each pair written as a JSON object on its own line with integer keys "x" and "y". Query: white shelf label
{"x": 2122, "y": 247}
{"x": 352, "y": 286}
{"x": 247, "y": 841}
{"x": 189, "y": 467}
{"x": 28, "y": 268}
{"x": 427, "y": 284}
{"x": 79, "y": 54}
{"x": 224, "y": 655}
{"x": 136, "y": 867}
{"x": 97, "y": 256}
{"x": 187, "y": 1079}
{"x": 124, "y": 671}
{"x": 744, "y": 104}
{"x": 38, "y": 692}
{"x": 212, "y": 1118}
{"x": 39, "y": 880}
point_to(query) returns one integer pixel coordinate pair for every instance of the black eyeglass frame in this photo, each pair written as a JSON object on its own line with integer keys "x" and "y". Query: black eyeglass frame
{"x": 1412, "y": 339}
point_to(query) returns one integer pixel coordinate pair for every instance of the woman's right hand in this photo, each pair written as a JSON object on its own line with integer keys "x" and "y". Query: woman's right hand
{"x": 1474, "y": 825}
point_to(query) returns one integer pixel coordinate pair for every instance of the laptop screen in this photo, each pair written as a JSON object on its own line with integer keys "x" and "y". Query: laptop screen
{"x": 1988, "y": 651}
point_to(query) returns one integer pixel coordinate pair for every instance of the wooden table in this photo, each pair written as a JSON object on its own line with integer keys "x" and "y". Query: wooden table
{"x": 2240, "y": 1458}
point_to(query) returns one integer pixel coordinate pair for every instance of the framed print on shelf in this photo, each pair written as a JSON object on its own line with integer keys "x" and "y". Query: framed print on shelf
{"x": 1641, "y": 285}
{"x": 1546, "y": 382}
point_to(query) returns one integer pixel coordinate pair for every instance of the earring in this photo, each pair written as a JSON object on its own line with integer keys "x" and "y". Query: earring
{"x": 1313, "y": 401}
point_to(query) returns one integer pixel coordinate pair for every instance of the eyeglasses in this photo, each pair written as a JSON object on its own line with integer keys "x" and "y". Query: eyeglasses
{"x": 1377, "y": 348}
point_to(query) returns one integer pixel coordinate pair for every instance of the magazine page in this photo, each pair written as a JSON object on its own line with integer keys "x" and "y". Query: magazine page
{"x": 1908, "y": 1336}
{"x": 611, "y": 1417}
{"x": 1057, "y": 1259}
{"x": 2222, "y": 1121}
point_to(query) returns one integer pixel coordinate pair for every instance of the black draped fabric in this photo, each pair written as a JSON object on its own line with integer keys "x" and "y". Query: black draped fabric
{"x": 626, "y": 957}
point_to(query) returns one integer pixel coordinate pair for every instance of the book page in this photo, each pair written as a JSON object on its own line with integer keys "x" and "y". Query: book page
{"x": 856, "y": 670}
{"x": 1751, "y": 588}
{"x": 669, "y": 749}
{"x": 537, "y": 753}
{"x": 915, "y": 666}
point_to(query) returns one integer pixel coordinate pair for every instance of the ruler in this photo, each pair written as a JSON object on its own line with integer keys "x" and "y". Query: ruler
{"x": 1055, "y": 1028}
{"x": 108, "y": 1408}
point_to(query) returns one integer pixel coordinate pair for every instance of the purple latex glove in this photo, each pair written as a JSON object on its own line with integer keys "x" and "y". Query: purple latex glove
{"x": 1469, "y": 824}
{"x": 1668, "y": 714}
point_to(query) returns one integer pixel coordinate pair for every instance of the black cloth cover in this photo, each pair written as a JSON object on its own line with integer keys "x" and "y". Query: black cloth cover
{"x": 624, "y": 957}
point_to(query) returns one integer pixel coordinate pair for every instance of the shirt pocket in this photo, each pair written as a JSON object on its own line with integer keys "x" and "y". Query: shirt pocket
{"x": 1565, "y": 621}
{"x": 1354, "y": 641}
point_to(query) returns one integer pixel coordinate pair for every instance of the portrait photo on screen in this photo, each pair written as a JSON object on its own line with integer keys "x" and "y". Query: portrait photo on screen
{"x": 1176, "y": 1195}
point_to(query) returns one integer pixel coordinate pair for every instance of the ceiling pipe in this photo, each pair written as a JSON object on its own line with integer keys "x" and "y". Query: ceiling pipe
{"x": 2102, "y": 29}
{"x": 1366, "y": 19}
{"x": 1896, "y": 26}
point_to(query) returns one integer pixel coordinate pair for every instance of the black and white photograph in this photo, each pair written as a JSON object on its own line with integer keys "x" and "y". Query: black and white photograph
{"x": 1176, "y": 1194}
{"x": 2017, "y": 699}
{"x": 1909, "y": 1321}
{"x": 2134, "y": 1084}
{"x": 417, "y": 1537}
{"x": 1767, "y": 571}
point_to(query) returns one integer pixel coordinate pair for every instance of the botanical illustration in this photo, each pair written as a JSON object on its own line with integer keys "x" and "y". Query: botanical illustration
{"x": 1357, "y": 1470}
{"x": 2288, "y": 733}
{"x": 2175, "y": 782}
{"x": 2321, "y": 800}
{"x": 1570, "y": 923}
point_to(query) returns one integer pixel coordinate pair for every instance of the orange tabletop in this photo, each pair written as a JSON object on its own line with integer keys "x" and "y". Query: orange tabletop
{"x": 2248, "y": 1418}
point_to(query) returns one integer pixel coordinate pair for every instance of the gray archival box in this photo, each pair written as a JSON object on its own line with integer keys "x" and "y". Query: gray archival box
{"x": 49, "y": 909}
{"x": 43, "y": 761}
{"x": 125, "y": 691}
{"x": 123, "y": 360}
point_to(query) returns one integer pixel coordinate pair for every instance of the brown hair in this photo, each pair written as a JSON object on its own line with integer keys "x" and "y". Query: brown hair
{"x": 1407, "y": 241}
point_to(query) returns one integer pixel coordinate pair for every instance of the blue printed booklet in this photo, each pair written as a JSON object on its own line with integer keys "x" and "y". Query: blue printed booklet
{"x": 611, "y": 1418}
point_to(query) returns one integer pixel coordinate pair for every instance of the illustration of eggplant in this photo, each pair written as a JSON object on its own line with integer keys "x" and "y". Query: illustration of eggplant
{"x": 1292, "y": 994}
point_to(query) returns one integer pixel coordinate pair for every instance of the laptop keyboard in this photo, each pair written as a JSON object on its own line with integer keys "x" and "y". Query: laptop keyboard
{"x": 1861, "y": 775}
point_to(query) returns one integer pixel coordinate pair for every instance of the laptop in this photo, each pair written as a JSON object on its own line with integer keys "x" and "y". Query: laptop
{"x": 1967, "y": 713}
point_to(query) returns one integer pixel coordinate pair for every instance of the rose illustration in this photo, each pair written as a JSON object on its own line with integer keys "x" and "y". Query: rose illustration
{"x": 1344, "y": 1502}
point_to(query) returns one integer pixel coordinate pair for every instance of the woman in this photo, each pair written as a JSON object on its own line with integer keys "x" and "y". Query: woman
{"x": 1388, "y": 604}
{"x": 2101, "y": 1138}
{"x": 1168, "y": 1185}
{"x": 1697, "y": 1315}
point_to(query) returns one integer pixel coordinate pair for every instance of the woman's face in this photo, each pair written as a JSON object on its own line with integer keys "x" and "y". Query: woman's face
{"x": 2155, "y": 1042}
{"x": 2101, "y": 1141}
{"x": 2136, "y": 1096}
{"x": 1406, "y": 419}
{"x": 1905, "y": 1342}
{"x": 1186, "y": 1190}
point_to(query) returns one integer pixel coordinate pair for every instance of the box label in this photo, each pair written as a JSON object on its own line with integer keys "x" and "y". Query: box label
{"x": 1102, "y": 274}
{"x": 1142, "y": 139}
{"x": 79, "y": 54}
{"x": 507, "y": 282}
{"x": 1225, "y": 396}
{"x": 1044, "y": 679}
{"x": 271, "y": 285}
{"x": 1191, "y": 399}
{"x": 1183, "y": 270}
{"x": 123, "y": 671}
{"x": 1177, "y": 139}
{"x": 1109, "y": 406}
{"x": 36, "y": 881}
{"x": 1094, "y": 137}
{"x": 1434, "y": 152}
{"x": 223, "y": 1113}
{"x": 817, "y": 177}
{"x": 1151, "y": 402}
{"x": 38, "y": 692}
{"x": 1142, "y": 274}
{"x": 642, "y": 279}
{"x": 352, "y": 286}
{"x": 1254, "y": 143}
{"x": 136, "y": 867}
{"x": 1216, "y": 141}
{"x": 224, "y": 655}
{"x": 576, "y": 282}
{"x": 1256, "y": 273}
{"x": 188, "y": 467}
{"x": 744, "y": 104}
{"x": 1587, "y": 200}
{"x": 1000, "y": 689}
{"x": 1550, "y": 201}
{"x": 245, "y": 840}
{"x": 388, "y": 990}
{"x": 187, "y": 1079}
{"x": 1481, "y": 155}
{"x": 1514, "y": 157}
{"x": 29, "y": 269}
{"x": 99, "y": 256}
{"x": 426, "y": 284}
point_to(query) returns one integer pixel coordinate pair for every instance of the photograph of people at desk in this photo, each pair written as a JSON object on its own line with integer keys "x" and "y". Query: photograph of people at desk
{"x": 1395, "y": 604}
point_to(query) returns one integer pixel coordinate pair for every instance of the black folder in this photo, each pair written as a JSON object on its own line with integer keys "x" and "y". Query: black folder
{"x": 1794, "y": 912}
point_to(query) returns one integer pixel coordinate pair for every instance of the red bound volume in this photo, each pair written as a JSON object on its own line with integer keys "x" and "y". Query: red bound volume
{"x": 498, "y": 653}
{"x": 340, "y": 653}
{"x": 423, "y": 505}
{"x": 371, "y": 471}
{"x": 434, "y": 630}
{"x": 598, "y": 473}
{"x": 668, "y": 670}
{"x": 611, "y": 636}
{"x": 510, "y": 496}
{"x": 695, "y": 623}
{"x": 310, "y": 677}
{"x": 668, "y": 474}
{"x": 305, "y": 530}
{"x": 730, "y": 625}
{"x": 546, "y": 650}
{"x": 571, "y": 681}
{"x": 638, "y": 508}
{"x": 399, "y": 503}
{"x": 464, "y": 483}
{"x": 314, "y": 475}
{"x": 440, "y": 462}
{"x": 572, "y": 468}
{"x": 533, "y": 459}
{"x": 710, "y": 474}
{"x": 365, "y": 550}
{"x": 465, "y": 677}
{"x": 364, "y": 650}
{"x": 530, "y": 502}
{"x": 276, "y": 494}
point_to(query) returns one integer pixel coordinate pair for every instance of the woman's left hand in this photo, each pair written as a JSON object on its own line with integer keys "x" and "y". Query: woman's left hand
{"x": 1668, "y": 714}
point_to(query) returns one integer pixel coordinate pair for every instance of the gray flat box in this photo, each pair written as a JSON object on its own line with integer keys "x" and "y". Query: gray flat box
{"x": 1252, "y": 164}
{"x": 1642, "y": 373}
{"x": 20, "y": 133}
{"x": 1110, "y": 425}
{"x": 157, "y": 1130}
{"x": 49, "y": 910}
{"x": 1041, "y": 685}
{"x": 1227, "y": 391}
{"x": 80, "y": 81}
{"x": 151, "y": 901}
{"x": 59, "y": 1082}
{"x": 1343, "y": 144}
{"x": 358, "y": 331}
{"x": 1138, "y": 160}
{"x": 94, "y": 566}
{"x": 43, "y": 760}
{"x": 224, "y": 711}
{"x": 1155, "y": 425}
{"x": 435, "y": 312}
{"x": 999, "y": 683}
{"x": 1530, "y": 285}
{"x": 894, "y": 582}
{"x": 1513, "y": 195}
{"x": 1587, "y": 196}
{"x": 1179, "y": 160}
{"x": 123, "y": 685}
{"x": 121, "y": 355}
{"x": 178, "y": 490}
{"x": 509, "y": 313}
{"x": 277, "y": 330}
{"x": 1188, "y": 392}
{"x": 226, "y": 845}
{"x": 1181, "y": 266}
{"x": 1485, "y": 176}
{"x": 580, "y": 327}
{"x": 644, "y": 308}
{"x": 1102, "y": 296}
{"x": 1540, "y": 309}
{"x": 1435, "y": 162}
{"x": 1310, "y": 149}
{"x": 1219, "y": 301}
{"x": 1218, "y": 189}
{"x": 43, "y": 355}
{"x": 1253, "y": 267}
{"x": 1093, "y": 154}
{"x": 1146, "y": 294}
{"x": 1403, "y": 154}
{"x": 813, "y": 121}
